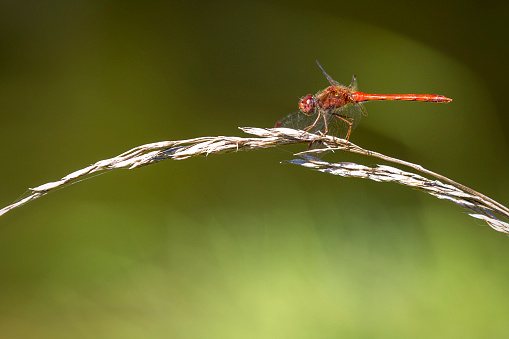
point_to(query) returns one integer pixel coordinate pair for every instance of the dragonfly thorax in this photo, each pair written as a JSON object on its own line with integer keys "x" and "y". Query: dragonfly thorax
{"x": 333, "y": 97}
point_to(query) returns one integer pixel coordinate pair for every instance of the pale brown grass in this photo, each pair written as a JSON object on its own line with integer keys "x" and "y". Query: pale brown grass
{"x": 478, "y": 205}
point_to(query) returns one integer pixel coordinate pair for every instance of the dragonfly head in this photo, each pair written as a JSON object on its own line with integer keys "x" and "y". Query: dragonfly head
{"x": 307, "y": 104}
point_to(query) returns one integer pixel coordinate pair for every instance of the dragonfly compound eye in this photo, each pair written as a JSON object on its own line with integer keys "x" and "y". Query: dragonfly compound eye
{"x": 307, "y": 104}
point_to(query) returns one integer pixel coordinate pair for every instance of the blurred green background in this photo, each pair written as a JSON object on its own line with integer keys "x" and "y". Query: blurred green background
{"x": 238, "y": 245}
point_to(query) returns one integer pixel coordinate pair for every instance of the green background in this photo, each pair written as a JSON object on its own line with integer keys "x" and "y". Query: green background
{"x": 238, "y": 245}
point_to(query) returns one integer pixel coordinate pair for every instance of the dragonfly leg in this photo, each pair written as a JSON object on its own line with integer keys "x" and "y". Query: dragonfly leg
{"x": 313, "y": 124}
{"x": 326, "y": 127}
{"x": 347, "y": 120}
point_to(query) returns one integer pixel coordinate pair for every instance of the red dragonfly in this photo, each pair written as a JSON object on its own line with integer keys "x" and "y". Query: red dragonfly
{"x": 337, "y": 109}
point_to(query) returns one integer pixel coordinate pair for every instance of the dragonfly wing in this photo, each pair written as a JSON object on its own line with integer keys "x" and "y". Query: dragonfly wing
{"x": 354, "y": 88}
{"x": 329, "y": 78}
{"x": 301, "y": 121}
{"x": 363, "y": 109}
{"x": 343, "y": 121}
{"x": 353, "y": 85}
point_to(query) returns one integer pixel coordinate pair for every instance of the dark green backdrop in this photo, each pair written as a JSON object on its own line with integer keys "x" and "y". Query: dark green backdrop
{"x": 237, "y": 245}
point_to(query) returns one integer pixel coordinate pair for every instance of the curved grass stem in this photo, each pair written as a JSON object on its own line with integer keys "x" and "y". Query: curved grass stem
{"x": 478, "y": 205}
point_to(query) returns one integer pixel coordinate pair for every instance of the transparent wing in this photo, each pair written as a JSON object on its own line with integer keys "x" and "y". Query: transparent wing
{"x": 354, "y": 88}
{"x": 353, "y": 85}
{"x": 299, "y": 120}
{"x": 329, "y": 78}
{"x": 343, "y": 121}
{"x": 340, "y": 122}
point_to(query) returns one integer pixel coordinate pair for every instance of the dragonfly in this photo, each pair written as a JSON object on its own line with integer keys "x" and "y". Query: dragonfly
{"x": 337, "y": 109}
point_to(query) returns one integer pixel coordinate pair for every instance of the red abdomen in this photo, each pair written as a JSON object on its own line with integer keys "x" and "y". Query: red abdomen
{"x": 360, "y": 97}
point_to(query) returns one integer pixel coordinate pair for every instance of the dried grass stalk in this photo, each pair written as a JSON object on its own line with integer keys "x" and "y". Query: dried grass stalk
{"x": 478, "y": 205}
